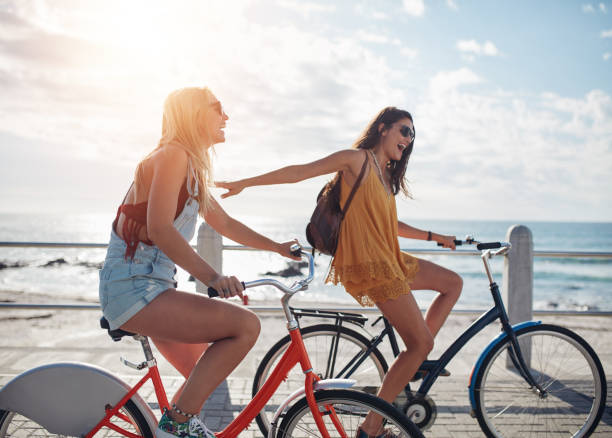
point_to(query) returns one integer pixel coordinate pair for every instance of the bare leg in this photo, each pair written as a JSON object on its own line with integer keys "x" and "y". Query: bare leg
{"x": 448, "y": 285}
{"x": 194, "y": 319}
{"x": 405, "y": 316}
{"x": 417, "y": 333}
{"x": 181, "y": 356}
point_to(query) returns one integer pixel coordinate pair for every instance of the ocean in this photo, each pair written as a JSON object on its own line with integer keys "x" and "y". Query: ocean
{"x": 71, "y": 274}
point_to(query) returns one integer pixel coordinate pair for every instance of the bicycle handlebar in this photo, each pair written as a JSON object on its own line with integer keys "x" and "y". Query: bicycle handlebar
{"x": 482, "y": 246}
{"x": 302, "y": 284}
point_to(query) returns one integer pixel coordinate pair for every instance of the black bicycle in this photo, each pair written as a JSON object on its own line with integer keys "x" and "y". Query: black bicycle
{"x": 533, "y": 379}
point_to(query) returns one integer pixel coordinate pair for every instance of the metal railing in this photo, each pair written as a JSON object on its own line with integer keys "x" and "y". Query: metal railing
{"x": 458, "y": 252}
{"x": 263, "y": 309}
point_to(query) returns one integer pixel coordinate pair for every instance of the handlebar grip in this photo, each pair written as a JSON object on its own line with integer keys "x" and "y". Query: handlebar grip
{"x": 212, "y": 292}
{"x": 457, "y": 242}
{"x": 488, "y": 245}
{"x": 296, "y": 250}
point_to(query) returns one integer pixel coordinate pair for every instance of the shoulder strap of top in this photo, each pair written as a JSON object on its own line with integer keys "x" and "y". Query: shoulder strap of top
{"x": 192, "y": 188}
{"x": 355, "y": 186}
{"x": 126, "y": 193}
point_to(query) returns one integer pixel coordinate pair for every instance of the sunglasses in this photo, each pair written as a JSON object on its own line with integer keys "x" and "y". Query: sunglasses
{"x": 218, "y": 108}
{"x": 407, "y": 132}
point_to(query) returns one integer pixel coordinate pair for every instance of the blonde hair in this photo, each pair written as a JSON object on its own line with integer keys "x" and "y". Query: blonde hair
{"x": 184, "y": 111}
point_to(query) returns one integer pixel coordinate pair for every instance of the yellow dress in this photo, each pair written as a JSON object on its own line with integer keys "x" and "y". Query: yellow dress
{"x": 368, "y": 260}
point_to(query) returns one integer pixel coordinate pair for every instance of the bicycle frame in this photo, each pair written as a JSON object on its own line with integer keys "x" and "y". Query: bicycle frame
{"x": 296, "y": 353}
{"x": 435, "y": 367}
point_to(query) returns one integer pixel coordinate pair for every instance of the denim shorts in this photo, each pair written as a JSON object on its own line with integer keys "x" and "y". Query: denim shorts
{"x": 127, "y": 286}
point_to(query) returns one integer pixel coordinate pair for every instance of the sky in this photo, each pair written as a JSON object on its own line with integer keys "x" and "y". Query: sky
{"x": 511, "y": 99}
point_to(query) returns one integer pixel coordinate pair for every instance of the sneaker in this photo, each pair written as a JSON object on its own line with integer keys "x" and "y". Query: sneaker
{"x": 168, "y": 428}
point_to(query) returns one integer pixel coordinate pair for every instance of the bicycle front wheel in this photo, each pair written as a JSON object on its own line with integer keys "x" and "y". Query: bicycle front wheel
{"x": 334, "y": 351}
{"x": 564, "y": 365}
{"x": 16, "y": 425}
{"x": 343, "y": 411}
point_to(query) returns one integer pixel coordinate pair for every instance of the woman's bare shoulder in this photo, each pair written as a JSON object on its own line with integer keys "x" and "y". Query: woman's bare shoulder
{"x": 354, "y": 159}
{"x": 170, "y": 155}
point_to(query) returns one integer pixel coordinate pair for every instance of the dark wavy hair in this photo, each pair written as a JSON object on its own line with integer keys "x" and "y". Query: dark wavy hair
{"x": 371, "y": 136}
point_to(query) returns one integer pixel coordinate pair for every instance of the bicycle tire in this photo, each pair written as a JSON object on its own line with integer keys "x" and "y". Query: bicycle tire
{"x": 313, "y": 347}
{"x": 14, "y": 425}
{"x": 564, "y": 364}
{"x": 351, "y": 408}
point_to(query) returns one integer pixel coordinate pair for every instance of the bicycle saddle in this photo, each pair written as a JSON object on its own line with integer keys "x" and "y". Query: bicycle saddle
{"x": 116, "y": 334}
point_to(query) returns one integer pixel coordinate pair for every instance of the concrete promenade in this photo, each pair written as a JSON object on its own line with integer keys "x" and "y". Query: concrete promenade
{"x": 35, "y": 337}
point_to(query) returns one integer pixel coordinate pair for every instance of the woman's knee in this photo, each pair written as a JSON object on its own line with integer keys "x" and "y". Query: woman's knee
{"x": 455, "y": 285}
{"x": 420, "y": 341}
{"x": 426, "y": 344}
{"x": 250, "y": 326}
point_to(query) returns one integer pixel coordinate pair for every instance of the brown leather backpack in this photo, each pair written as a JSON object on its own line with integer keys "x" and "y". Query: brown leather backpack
{"x": 324, "y": 227}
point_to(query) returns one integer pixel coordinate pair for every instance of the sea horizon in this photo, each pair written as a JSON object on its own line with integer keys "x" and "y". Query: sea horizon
{"x": 71, "y": 273}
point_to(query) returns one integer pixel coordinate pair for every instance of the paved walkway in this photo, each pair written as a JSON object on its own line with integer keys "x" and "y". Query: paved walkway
{"x": 32, "y": 338}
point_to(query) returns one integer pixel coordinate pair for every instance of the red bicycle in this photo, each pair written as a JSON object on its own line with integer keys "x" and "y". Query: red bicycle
{"x": 76, "y": 399}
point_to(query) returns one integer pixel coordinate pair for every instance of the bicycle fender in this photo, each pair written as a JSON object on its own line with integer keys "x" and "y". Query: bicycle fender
{"x": 298, "y": 393}
{"x": 67, "y": 398}
{"x": 500, "y": 338}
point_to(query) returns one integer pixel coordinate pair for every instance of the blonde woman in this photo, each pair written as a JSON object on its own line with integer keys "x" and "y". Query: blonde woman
{"x": 151, "y": 235}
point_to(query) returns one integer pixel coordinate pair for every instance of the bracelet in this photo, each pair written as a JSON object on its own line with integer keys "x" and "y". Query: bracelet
{"x": 429, "y": 235}
{"x": 178, "y": 411}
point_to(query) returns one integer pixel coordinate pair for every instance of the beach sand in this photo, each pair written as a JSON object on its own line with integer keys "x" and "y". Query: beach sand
{"x": 37, "y": 336}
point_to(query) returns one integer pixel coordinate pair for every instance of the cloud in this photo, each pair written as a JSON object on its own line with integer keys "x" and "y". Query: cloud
{"x": 473, "y": 47}
{"x": 360, "y": 9}
{"x": 102, "y": 101}
{"x": 416, "y": 8}
{"x": 293, "y": 95}
{"x": 371, "y": 37}
{"x": 409, "y": 52}
{"x": 606, "y": 56}
{"x": 306, "y": 8}
{"x": 528, "y": 150}
{"x": 588, "y": 8}
{"x": 606, "y": 33}
{"x": 451, "y": 4}
{"x": 447, "y": 81}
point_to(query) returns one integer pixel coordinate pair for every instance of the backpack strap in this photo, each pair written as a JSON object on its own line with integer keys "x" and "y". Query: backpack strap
{"x": 356, "y": 186}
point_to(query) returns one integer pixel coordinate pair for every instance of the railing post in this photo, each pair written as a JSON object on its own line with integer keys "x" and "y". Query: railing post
{"x": 210, "y": 248}
{"x": 517, "y": 286}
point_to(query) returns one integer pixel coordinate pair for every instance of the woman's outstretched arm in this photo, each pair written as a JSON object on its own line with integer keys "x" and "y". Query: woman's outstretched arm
{"x": 345, "y": 160}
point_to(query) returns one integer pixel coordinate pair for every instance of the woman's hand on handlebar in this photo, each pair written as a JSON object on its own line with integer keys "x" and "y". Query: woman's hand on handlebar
{"x": 284, "y": 249}
{"x": 227, "y": 286}
{"x": 445, "y": 241}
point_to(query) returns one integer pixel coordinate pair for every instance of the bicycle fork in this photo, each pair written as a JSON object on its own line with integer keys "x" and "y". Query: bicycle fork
{"x": 514, "y": 351}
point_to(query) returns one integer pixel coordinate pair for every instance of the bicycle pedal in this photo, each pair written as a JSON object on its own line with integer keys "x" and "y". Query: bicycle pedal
{"x": 422, "y": 373}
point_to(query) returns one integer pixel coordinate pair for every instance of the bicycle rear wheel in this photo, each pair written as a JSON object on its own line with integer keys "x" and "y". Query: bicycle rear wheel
{"x": 16, "y": 425}
{"x": 563, "y": 364}
{"x": 343, "y": 411}
{"x": 319, "y": 339}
